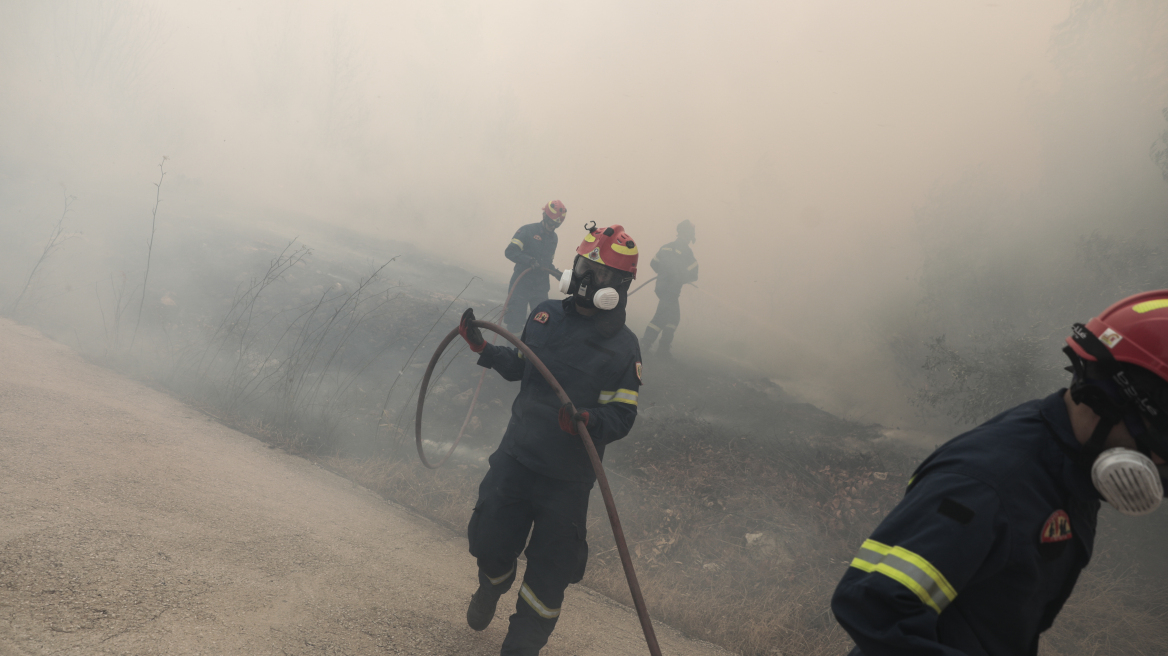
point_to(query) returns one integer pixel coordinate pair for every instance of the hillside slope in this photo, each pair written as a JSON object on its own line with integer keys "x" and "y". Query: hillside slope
{"x": 131, "y": 523}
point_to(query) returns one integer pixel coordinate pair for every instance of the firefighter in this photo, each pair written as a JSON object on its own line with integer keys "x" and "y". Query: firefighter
{"x": 532, "y": 247}
{"x": 675, "y": 266}
{"x": 540, "y": 476}
{"x": 996, "y": 524}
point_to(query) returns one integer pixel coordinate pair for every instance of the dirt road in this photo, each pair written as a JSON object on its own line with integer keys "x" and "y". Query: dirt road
{"x": 132, "y": 524}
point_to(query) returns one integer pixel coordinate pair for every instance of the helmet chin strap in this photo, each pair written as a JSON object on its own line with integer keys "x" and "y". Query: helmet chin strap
{"x": 1111, "y": 396}
{"x": 1085, "y": 393}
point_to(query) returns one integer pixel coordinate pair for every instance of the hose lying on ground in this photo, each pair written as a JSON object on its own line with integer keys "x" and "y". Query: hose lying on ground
{"x": 609, "y": 504}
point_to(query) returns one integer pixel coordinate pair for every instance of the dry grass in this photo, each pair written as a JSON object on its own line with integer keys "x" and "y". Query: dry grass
{"x": 1112, "y": 612}
{"x": 686, "y": 526}
{"x": 686, "y": 519}
{"x": 687, "y": 507}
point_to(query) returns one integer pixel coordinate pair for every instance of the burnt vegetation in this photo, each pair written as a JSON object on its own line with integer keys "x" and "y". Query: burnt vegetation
{"x": 742, "y": 505}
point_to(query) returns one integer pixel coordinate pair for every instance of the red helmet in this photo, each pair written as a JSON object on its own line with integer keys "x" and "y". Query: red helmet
{"x": 1135, "y": 331}
{"x": 1127, "y": 349}
{"x": 612, "y": 247}
{"x": 554, "y": 212}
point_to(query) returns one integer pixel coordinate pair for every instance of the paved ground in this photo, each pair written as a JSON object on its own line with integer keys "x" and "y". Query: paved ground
{"x": 132, "y": 524}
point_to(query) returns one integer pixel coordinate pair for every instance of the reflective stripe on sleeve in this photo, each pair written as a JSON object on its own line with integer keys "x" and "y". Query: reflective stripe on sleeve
{"x": 619, "y": 396}
{"x": 537, "y": 605}
{"x": 517, "y": 243}
{"x": 908, "y": 569}
{"x": 692, "y": 266}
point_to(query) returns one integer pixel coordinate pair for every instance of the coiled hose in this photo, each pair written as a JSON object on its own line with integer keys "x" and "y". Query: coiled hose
{"x": 605, "y": 491}
{"x": 475, "y": 398}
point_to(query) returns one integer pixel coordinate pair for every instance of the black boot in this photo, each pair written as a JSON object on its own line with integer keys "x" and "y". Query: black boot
{"x": 663, "y": 347}
{"x": 528, "y": 632}
{"x": 481, "y": 610}
{"x": 649, "y": 337}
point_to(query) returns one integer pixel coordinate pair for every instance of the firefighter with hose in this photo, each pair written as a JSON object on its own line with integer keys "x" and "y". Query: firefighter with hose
{"x": 676, "y": 267}
{"x": 986, "y": 546}
{"x": 540, "y": 476}
{"x": 532, "y": 247}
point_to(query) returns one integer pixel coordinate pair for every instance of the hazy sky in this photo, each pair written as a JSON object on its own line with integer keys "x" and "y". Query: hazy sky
{"x": 798, "y": 136}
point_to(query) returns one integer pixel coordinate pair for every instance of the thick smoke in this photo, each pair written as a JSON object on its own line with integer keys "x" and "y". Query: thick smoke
{"x": 861, "y": 174}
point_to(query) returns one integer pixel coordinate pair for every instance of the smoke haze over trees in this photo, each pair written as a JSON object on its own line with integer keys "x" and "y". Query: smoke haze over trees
{"x": 901, "y": 208}
{"x": 851, "y": 167}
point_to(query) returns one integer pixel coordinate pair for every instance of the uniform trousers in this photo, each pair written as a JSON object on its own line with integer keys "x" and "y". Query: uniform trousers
{"x": 513, "y": 501}
{"x": 530, "y": 292}
{"x": 665, "y": 322}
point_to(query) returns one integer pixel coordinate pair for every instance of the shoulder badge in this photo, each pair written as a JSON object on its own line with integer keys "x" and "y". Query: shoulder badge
{"x": 1057, "y": 528}
{"x": 639, "y": 374}
{"x": 541, "y": 317}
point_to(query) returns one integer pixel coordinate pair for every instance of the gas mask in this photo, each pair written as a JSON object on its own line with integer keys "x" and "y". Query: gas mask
{"x": 594, "y": 285}
{"x": 1128, "y": 480}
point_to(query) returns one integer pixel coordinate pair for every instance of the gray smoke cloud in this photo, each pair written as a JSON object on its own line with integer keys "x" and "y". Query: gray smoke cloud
{"x": 809, "y": 142}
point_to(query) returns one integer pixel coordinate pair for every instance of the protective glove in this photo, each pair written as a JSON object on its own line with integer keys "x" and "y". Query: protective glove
{"x": 569, "y": 416}
{"x": 472, "y": 335}
{"x": 526, "y": 261}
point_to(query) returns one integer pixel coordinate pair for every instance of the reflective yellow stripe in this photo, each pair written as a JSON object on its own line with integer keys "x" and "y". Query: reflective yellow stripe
{"x": 692, "y": 266}
{"x": 654, "y": 327}
{"x": 624, "y": 250}
{"x": 537, "y": 605}
{"x": 517, "y": 243}
{"x": 1148, "y": 306}
{"x": 619, "y": 396}
{"x": 908, "y": 569}
{"x": 589, "y": 238}
{"x": 499, "y": 579}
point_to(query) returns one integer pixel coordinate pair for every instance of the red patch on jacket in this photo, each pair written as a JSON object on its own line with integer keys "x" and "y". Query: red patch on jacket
{"x": 1057, "y": 528}
{"x": 537, "y": 237}
{"x": 541, "y": 317}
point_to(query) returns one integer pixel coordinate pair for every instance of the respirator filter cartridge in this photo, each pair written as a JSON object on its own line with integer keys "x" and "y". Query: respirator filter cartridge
{"x": 566, "y": 281}
{"x": 606, "y": 299}
{"x": 1128, "y": 480}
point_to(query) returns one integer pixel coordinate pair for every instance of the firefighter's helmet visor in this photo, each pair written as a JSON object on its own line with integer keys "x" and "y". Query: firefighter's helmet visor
{"x": 602, "y": 276}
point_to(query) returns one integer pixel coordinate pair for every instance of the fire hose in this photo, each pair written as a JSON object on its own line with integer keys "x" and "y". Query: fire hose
{"x": 642, "y": 285}
{"x": 605, "y": 491}
{"x": 475, "y": 398}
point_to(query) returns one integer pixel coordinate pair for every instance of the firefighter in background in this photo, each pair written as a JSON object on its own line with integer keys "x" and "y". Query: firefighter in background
{"x": 533, "y": 246}
{"x": 986, "y": 546}
{"x": 540, "y": 476}
{"x": 675, "y": 266}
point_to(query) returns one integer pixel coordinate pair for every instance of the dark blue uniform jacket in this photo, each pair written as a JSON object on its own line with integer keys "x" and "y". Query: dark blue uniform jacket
{"x": 675, "y": 266}
{"x": 597, "y": 360}
{"x": 985, "y": 547}
{"x": 532, "y": 243}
